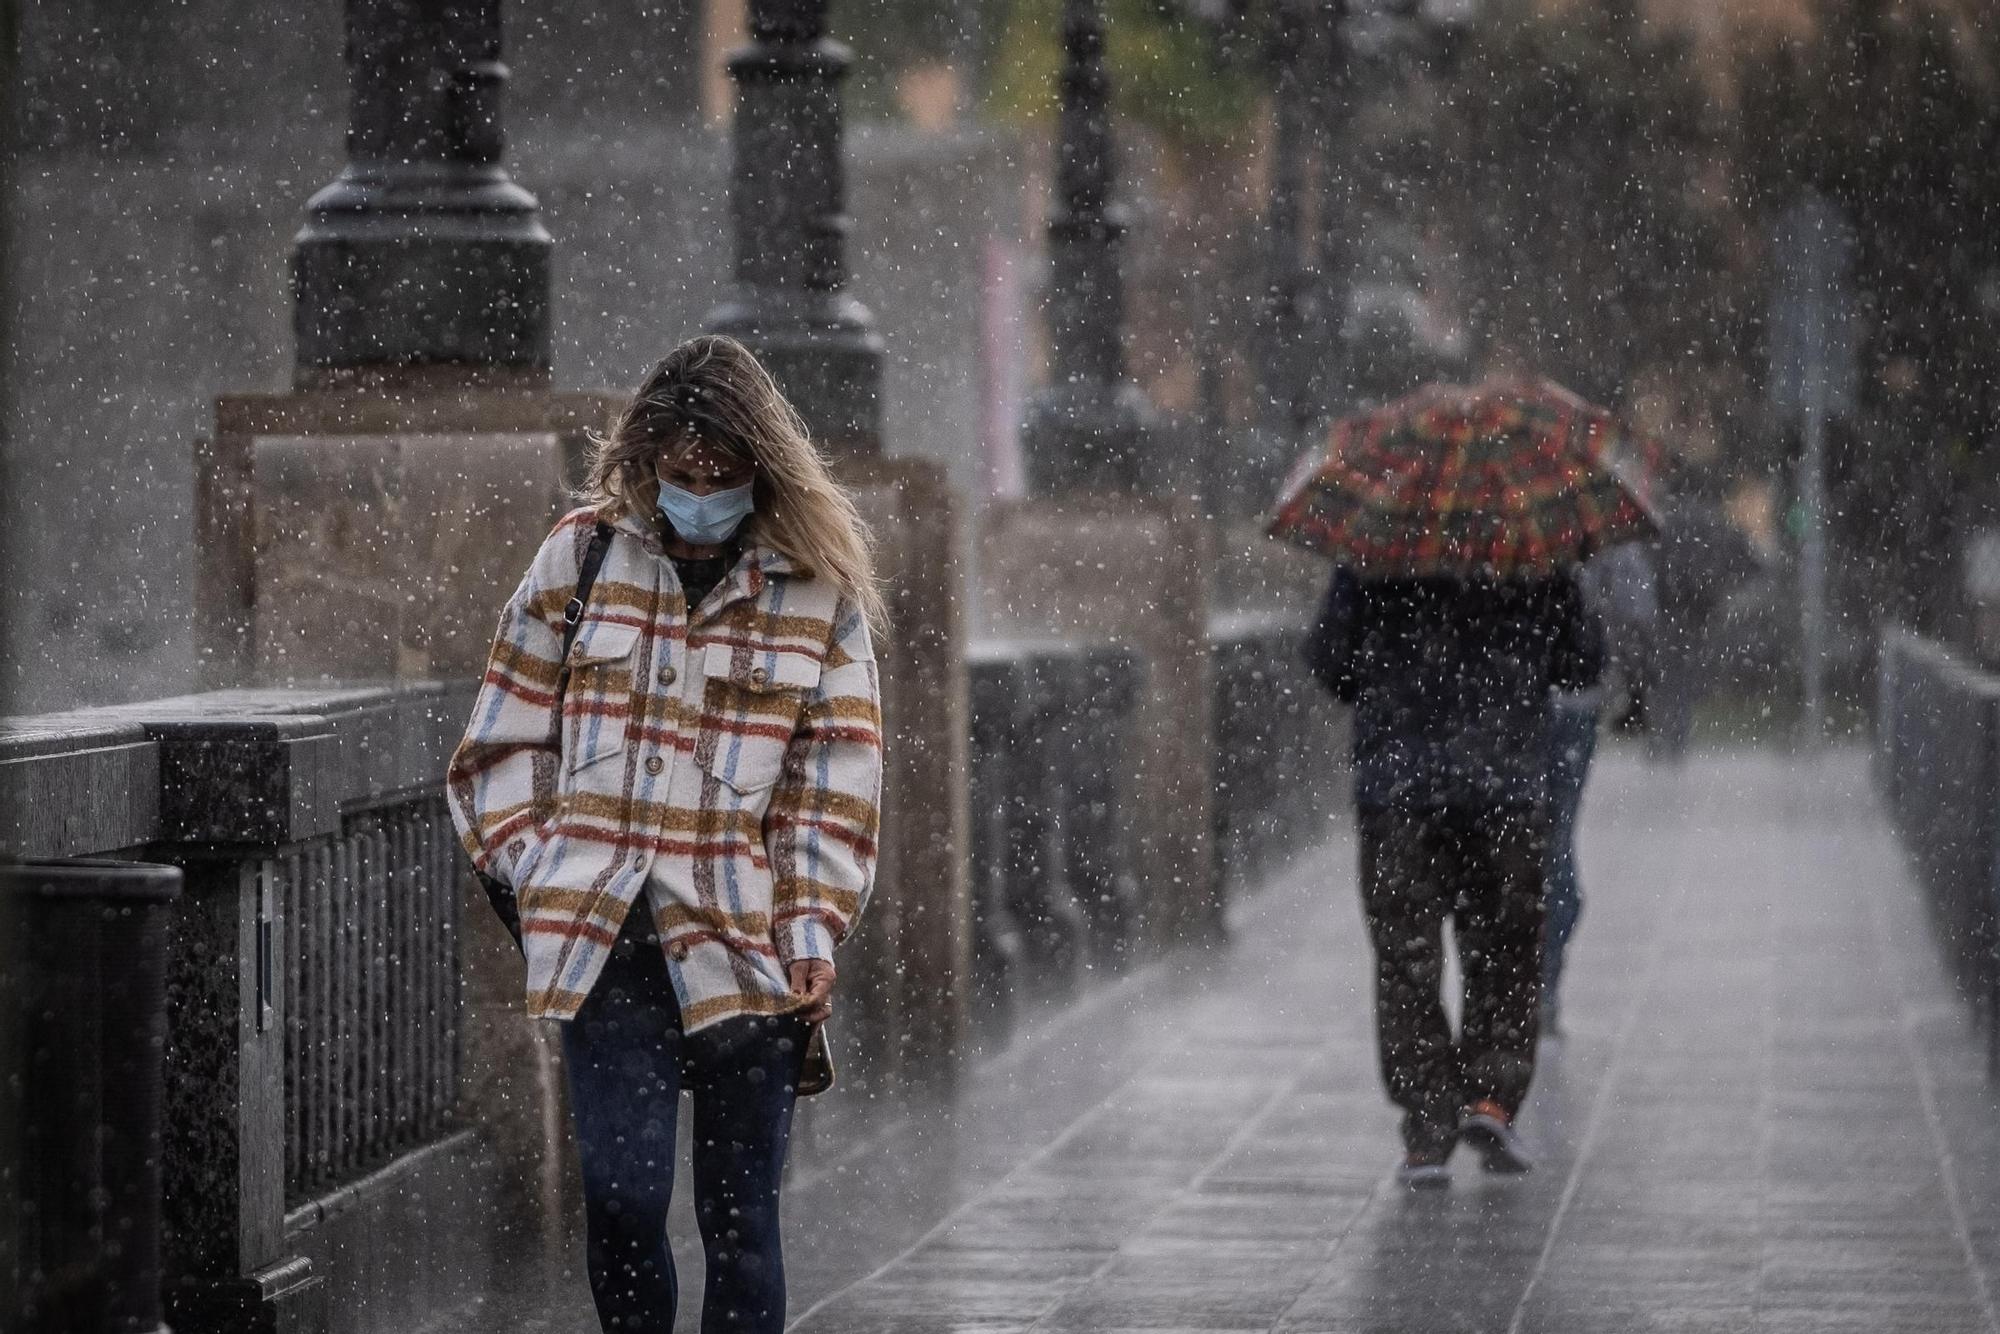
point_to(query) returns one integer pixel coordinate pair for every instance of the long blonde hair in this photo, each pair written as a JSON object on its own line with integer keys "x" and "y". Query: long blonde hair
{"x": 711, "y": 389}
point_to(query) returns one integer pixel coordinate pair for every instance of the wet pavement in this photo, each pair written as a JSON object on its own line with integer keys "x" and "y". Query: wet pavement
{"x": 1768, "y": 1112}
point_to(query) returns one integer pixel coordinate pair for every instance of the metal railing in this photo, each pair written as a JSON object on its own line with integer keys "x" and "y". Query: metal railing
{"x": 1937, "y": 766}
{"x": 313, "y": 1031}
{"x": 371, "y": 983}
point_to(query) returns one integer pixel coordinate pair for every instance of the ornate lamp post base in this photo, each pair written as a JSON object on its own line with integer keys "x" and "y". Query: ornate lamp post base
{"x": 790, "y": 304}
{"x": 822, "y": 348}
{"x": 1087, "y": 434}
{"x": 403, "y": 265}
{"x": 422, "y": 252}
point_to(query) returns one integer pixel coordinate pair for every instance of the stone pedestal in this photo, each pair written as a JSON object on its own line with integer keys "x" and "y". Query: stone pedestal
{"x": 372, "y": 531}
{"x": 1132, "y": 571}
{"x": 909, "y": 963}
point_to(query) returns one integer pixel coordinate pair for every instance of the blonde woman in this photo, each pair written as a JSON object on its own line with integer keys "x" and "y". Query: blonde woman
{"x": 680, "y": 811}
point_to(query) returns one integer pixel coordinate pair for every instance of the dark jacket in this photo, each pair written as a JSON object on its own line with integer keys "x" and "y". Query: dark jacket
{"x": 1450, "y": 682}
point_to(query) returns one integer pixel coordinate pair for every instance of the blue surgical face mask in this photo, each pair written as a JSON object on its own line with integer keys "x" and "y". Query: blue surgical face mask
{"x": 709, "y": 520}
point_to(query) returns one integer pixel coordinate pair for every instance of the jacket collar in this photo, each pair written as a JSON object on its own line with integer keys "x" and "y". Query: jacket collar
{"x": 745, "y": 580}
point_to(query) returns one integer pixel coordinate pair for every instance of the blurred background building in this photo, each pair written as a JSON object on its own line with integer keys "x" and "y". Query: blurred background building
{"x": 1588, "y": 182}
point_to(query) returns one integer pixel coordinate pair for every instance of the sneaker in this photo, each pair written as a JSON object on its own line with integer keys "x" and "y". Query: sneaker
{"x": 1487, "y": 1127}
{"x": 1424, "y": 1171}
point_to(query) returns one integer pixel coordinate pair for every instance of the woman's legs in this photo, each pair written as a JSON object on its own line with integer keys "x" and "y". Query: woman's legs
{"x": 622, "y": 1056}
{"x": 744, "y": 1074}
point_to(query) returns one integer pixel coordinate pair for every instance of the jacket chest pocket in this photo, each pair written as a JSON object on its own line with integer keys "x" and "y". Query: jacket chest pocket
{"x": 597, "y": 702}
{"x": 751, "y": 704}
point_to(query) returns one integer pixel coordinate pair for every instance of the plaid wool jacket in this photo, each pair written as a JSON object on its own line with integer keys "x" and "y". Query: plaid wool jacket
{"x": 724, "y": 768}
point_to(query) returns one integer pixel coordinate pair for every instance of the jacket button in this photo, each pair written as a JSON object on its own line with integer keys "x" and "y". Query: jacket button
{"x": 759, "y": 675}
{"x": 668, "y": 675}
{"x": 639, "y": 862}
{"x": 517, "y": 847}
{"x": 655, "y": 764}
{"x": 678, "y": 951}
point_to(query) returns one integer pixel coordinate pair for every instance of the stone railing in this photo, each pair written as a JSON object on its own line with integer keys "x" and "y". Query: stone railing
{"x": 1937, "y": 766}
{"x": 319, "y": 965}
{"x": 371, "y": 990}
{"x": 1280, "y": 745}
{"x": 1055, "y": 897}
{"x": 313, "y": 980}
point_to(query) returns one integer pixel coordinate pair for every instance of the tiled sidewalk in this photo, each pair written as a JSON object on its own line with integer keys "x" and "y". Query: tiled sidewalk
{"x": 1769, "y": 1114}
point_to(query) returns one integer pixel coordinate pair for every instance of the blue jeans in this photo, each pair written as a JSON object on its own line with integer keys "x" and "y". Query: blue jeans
{"x": 1572, "y": 741}
{"x": 627, "y": 1061}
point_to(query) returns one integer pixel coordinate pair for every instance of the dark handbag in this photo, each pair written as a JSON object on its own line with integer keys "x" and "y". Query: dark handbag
{"x": 816, "y": 1071}
{"x": 498, "y": 893}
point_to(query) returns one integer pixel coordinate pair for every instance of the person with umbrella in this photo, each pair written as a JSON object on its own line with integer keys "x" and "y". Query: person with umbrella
{"x": 1455, "y": 516}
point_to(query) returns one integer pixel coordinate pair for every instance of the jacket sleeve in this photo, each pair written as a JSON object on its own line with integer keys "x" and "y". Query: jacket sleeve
{"x": 500, "y": 785}
{"x": 1578, "y": 660}
{"x": 1330, "y": 644}
{"x": 824, "y": 816}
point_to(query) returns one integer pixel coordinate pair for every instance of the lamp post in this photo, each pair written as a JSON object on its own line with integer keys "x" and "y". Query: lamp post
{"x": 790, "y": 304}
{"x": 422, "y": 252}
{"x": 1088, "y": 425}
{"x": 1281, "y": 389}
{"x": 1332, "y": 268}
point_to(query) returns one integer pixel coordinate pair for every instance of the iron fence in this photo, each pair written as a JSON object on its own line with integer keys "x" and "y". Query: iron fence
{"x": 371, "y": 980}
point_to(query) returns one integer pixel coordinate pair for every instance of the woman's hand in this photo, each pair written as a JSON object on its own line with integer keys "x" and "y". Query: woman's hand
{"x": 813, "y": 979}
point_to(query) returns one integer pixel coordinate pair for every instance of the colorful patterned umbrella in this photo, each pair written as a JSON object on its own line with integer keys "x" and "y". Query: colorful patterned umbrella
{"x": 1506, "y": 477}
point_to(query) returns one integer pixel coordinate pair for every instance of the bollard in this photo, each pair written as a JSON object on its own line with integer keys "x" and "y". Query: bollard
{"x": 1099, "y": 851}
{"x": 996, "y": 686}
{"x": 1042, "y": 809}
{"x": 93, "y": 1033}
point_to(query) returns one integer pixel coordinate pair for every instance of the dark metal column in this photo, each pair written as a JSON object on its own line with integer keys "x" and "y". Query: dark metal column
{"x": 422, "y": 252}
{"x": 1282, "y": 368}
{"x": 1088, "y": 425}
{"x": 791, "y": 303}
{"x": 1325, "y": 380}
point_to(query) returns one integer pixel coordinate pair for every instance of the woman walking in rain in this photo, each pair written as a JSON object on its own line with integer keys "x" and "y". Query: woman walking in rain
{"x": 1456, "y": 516}
{"x": 670, "y": 781}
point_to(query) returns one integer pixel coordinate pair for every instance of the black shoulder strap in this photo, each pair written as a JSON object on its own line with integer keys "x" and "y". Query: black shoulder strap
{"x": 593, "y": 561}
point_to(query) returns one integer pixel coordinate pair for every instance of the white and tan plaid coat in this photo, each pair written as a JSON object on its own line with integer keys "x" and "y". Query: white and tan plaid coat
{"x": 726, "y": 767}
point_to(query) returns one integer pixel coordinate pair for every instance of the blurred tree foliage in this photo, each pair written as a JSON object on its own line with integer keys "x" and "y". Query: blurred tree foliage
{"x": 1165, "y": 74}
{"x": 890, "y": 37}
{"x": 1894, "y": 111}
{"x": 1571, "y": 148}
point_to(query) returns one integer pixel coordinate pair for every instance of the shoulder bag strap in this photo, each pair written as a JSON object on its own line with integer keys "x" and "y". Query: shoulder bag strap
{"x": 587, "y": 577}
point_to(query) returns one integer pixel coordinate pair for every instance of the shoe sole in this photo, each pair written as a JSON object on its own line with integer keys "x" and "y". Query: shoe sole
{"x": 1496, "y": 1146}
{"x": 1424, "y": 1178}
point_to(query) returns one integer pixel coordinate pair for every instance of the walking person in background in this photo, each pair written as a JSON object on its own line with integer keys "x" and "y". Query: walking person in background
{"x": 670, "y": 782}
{"x": 1451, "y": 679}
{"x": 1618, "y": 586}
{"x": 1456, "y": 518}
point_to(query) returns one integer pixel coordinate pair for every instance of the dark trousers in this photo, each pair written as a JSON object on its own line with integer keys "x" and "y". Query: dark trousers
{"x": 627, "y": 1061}
{"x": 1483, "y": 869}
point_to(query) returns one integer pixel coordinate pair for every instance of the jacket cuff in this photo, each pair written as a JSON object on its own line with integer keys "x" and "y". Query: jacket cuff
{"x": 805, "y": 936}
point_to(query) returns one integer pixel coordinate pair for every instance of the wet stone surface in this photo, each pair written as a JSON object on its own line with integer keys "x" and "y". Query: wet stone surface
{"x": 1768, "y": 1113}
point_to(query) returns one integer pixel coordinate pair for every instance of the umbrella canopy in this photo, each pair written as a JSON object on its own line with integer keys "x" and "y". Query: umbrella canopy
{"x": 1503, "y": 477}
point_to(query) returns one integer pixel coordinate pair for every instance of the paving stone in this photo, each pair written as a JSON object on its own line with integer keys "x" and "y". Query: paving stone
{"x": 1768, "y": 1113}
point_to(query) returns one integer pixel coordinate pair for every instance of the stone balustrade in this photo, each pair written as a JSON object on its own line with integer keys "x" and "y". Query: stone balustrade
{"x": 318, "y": 1095}
{"x": 1937, "y": 766}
